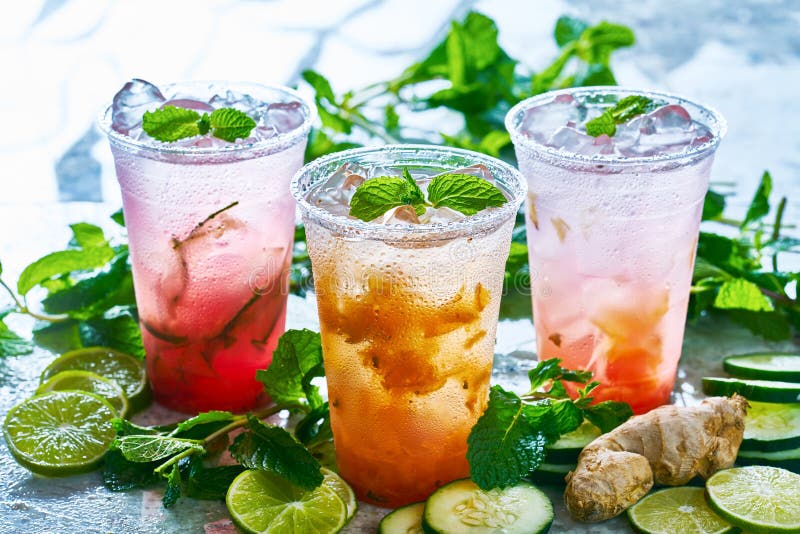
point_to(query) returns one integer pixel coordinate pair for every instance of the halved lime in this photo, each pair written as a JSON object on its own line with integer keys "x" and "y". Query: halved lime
{"x": 674, "y": 510}
{"x": 122, "y": 368}
{"x": 757, "y": 498}
{"x": 262, "y": 502}
{"x": 60, "y": 432}
{"x": 343, "y": 490}
{"x": 86, "y": 381}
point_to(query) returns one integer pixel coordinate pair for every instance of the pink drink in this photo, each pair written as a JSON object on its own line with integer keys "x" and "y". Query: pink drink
{"x": 211, "y": 227}
{"x": 612, "y": 229}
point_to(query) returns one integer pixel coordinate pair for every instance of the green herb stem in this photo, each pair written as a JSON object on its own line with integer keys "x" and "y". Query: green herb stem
{"x": 175, "y": 459}
{"x": 13, "y": 295}
{"x": 261, "y": 414}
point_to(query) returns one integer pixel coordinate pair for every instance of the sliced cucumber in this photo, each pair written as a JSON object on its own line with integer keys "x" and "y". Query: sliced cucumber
{"x": 552, "y": 473}
{"x": 771, "y": 427}
{"x": 461, "y": 507}
{"x": 567, "y": 449}
{"x": 788, "y": 459}
{"x": 404, "y": 520}
{"x": 756, "y": 390}
{"x": 765, "y": 366}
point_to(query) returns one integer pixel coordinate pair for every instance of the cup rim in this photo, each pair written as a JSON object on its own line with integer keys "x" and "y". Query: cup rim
{"x": 277, "y": 143}
{"x": 484, "y": 222}
{"x": 715, "y": 122}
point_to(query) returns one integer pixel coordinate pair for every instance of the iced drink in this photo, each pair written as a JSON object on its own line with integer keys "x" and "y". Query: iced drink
{"x": 612, "y": 224}
{"x": 210, "y": 225}
{"x": 408, "y": 308}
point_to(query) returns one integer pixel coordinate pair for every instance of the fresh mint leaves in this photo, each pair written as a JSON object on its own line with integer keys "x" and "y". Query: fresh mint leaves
{"x": 462, "y": 192}
{"x": 623, "y": 111}
{"x": 171, "y": 123}
{"x": 508, "y": 441}
{"x": 297, "y": 360}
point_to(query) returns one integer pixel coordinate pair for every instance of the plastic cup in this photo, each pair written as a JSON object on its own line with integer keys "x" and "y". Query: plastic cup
{"x": 612, "y": 243}
{"x": 408, "y": 315}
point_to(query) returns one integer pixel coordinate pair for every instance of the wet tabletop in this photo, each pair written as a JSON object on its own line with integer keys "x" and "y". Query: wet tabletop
{"x": 62, "y": 59}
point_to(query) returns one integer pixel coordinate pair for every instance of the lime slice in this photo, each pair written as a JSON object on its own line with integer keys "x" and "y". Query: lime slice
{"x": 60, "y": 432}
{"x": 343, "y": 490}
{"x": 262, "y": 502}
{"x": 757, "y": 498}
{"x": 86, "y": 381}
{"x": 122, "y": 368}
{"x": 673, "y": 510}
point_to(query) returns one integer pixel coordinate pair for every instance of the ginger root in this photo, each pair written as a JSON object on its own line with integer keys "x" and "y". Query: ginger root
{"x": 669, "y": 445}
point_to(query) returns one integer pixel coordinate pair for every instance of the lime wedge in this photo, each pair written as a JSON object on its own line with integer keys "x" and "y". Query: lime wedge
{"x": 86, "y": 381}
{"x": 124, "y": 369}
{"x": 673, "y": 510}
{"x": 757, "y": 498}
{"x": 60, "y": 432}
{"x": 262, "y": 502}
{"x": 343, "y": 490}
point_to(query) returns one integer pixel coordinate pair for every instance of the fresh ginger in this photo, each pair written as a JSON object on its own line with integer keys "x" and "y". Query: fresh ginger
{"x": 669, "y": 445}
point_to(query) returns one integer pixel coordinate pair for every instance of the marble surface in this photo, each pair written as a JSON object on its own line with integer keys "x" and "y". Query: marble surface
{"x": 63, "y": 59}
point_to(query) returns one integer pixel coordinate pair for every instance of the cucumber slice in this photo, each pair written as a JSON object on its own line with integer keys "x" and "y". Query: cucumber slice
{"x": 552, "y": 474}
{"x": 788, "y": 459}
{"x": 757, "y": 390}
{"x": 764, "y": 366}
{"x": 567, "y": 449}
{"x": 771, "y": 427}
{"x": 404, "y": 520}
{"x": 461, "y": 507}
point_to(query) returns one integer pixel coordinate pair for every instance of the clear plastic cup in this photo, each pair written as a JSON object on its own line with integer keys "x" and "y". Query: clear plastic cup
{"x": 612, "y": 243}
{"x": 408, "y": 315}
{"x": 211, "y": 232}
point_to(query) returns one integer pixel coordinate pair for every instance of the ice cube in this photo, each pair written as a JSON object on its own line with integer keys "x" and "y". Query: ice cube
{"x": 571, "y": 140}
{"x": 190, "y": 103}
{"x": 542, "y": 122}
{"x": 130, "y": 103}
{"x": 441, "y": 216}
{"x": 234, "y": 99}
{"x": 285, "y": 116}
{"x": 400, "y": 215}
{"x": 334, "y": 195}
{"x": 666, "y": 129}
{"x": 479, "y": 170}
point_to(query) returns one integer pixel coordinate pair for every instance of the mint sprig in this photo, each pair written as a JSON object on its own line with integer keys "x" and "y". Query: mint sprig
{"x": 462, "y": 192}
{"x": 508, "y": 441}
{"x": 171, "y": 123}
{"x": 624, "y": 110}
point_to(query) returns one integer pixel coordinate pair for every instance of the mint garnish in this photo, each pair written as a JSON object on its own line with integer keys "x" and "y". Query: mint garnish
{"x": 172, "y": 123}
{"x": 626, "y": 109}
{"x": 465, "y": 193}
{"x": 462, "y": 192}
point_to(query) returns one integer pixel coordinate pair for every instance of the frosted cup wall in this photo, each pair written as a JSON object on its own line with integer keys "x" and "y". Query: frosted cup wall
{"x": 408, "y": 315}
{"x": 211, "y": 232}
{"x": 612, "y": 244}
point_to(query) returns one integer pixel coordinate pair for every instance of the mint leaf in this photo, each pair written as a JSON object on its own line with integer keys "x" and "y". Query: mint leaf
{"x": 713, "y": 205}
{"x": 141, "y": 448}
{"x": 378, "y": 195}
{"x": 12, "y": 344}
{"x": 567, "y": 415}
{"x": 464, "y": 192}
{"x": 315, "y": 426}
{"x": 568, "y": 29}
{"x": 120, "y": 474}
{"x": 624, "y": 110}
{"x": 509, "y": 439}
{"x": 173, "y": 491}
{"x": 118, "y": 217}
{"x": 62, "y": 262}
{"x": 202, "y": 425}
{"x": 117, "y": 328}
{"x": 759, "y": 206}
{"x": 273, "y": 449}
{"x": 170, "y": 123}
{"x": 550, "y": 369}
{"x": 210, "y": 483}
{"x": 608, "y": 415}
{"x": 417, "y": 199}
{"x": 743, "y": 295}
{"x": 296, "y": 361}
{"x": 88, "y": 235}
{"x": 123, "y": 427}
{"x": 230, "y": 124}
